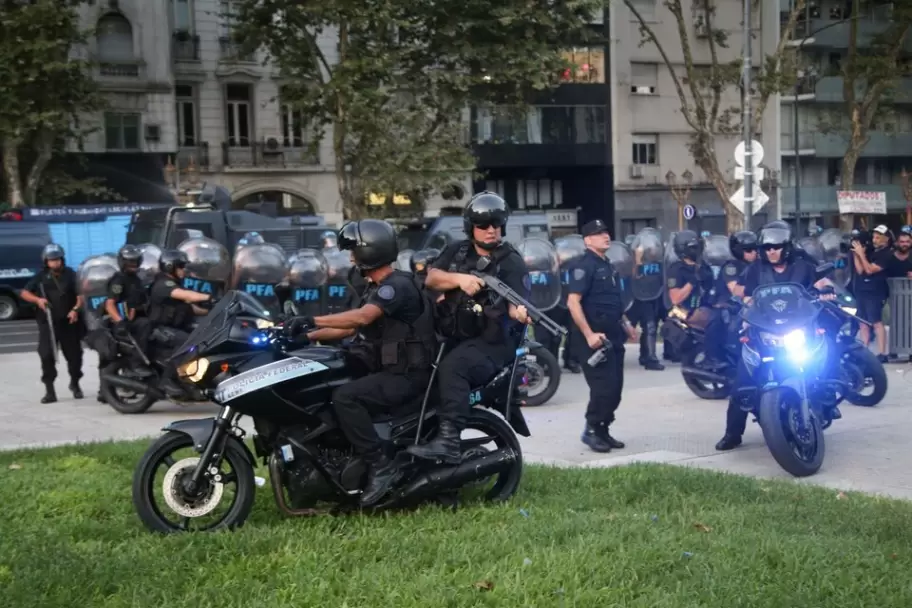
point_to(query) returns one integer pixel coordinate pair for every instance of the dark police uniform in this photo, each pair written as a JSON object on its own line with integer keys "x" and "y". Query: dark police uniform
{"x": 61, "y": 292}
{"x": 474, "y": 361}
{"x": 599, "y": 287}
{"x": 168, "y": 313}
{"x": 681, "y": 274}
{"x": 871, "y": 290}
{"x": 129, "y": 294}
{"x": 403, "y": 343}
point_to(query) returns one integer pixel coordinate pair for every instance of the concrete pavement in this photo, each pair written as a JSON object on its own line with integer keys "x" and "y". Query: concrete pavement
{"x": 18, "y": 336}
{"x": 659, "y": 419}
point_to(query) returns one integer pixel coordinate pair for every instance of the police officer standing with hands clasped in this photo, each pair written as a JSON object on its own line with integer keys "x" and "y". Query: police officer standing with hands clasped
{"x": 597, "y": 309}
{"x": 54, "y": 292}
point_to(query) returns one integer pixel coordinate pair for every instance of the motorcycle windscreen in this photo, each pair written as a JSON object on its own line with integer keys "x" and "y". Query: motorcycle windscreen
{"x": 215, "y": 328}
{"x": 780, "y": 308}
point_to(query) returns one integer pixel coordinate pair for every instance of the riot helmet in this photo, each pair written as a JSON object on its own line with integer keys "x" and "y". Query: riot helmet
{"x": 687, "y": 245}
{"x": 742, "y": 242}
{"x": 373, "y": 243}
{"x": 774, "y": 238}
{"x": 329, "y": 239}
{"x": 422, "y": 260}
{"x": 129, "y": 258}
{"x": 486, "y": 209}
{"x": 53, "y": 251}
{"x": 171, "y": 261}
{"x": 629, "y": 239}
{"x": 781, "y": 224}
{"x": 251, "y": 238}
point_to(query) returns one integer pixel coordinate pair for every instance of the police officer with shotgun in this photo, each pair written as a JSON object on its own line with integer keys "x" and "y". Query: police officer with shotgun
{"x": 54, "y": 292}
{"x": 597, "y": 308}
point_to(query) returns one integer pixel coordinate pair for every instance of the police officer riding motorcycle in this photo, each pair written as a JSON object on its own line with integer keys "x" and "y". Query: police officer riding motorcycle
{"x": 126, "y": 307}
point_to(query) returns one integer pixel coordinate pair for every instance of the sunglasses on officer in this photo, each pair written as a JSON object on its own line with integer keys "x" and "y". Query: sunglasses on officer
{"x": 772, "y": 247}
{"x": 488, "y": 225}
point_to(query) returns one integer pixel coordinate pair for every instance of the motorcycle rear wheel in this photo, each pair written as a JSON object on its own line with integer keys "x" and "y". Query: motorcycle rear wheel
{"x": 703, "y": 388}
{"x": 778, "y": 412}
{"x": 544, "y": 368}
{"x": 873, "y": 374}
{"x": 138, "y": 404}
{"x": 502, "y": 436}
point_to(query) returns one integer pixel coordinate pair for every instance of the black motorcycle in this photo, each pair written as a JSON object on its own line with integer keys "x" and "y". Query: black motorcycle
{"x": 793, "y": 394}
{"x": 687, "y": 334}
{"x": 861, "y": 369}
{"x": 286, "y": 389}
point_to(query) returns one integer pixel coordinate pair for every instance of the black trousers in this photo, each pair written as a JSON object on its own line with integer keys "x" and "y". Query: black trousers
{"x": 358, "y": 402}
{"x": 605, "y": 380}
{"x": 735, "y": 416}
{"x": 470, "y": 364}
{"x": 561, "y": 316}
{"x": 141, "y": 330}
{"x": 69, "y": 337}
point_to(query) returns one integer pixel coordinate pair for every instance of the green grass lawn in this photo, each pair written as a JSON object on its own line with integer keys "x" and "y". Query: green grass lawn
{"x": 639, "y": 536}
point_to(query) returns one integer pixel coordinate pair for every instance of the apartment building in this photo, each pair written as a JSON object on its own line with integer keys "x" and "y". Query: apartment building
{"x": 650, "y": 133}
{"x": 180, "y": 90}
{"x": 822, "y": 40}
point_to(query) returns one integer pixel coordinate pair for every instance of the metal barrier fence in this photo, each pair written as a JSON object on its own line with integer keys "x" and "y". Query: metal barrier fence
{"x": 900, "y": 335}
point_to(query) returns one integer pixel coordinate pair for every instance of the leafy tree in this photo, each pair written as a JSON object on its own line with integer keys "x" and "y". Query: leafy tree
{"x": 703, "y": 90}
{"x": 388, "y": 81}
{"x": 44, "y": 90}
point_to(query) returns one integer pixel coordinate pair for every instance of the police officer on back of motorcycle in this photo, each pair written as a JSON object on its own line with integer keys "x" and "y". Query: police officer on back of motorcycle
{"x": 596, "y": 306}
{"x": 775, "y": 264}
{"x": 172, "y": 308}
{"x": 398, "y": 347}
{"x": 127, "y": 288}
{"x": 54, "y": 289}
{"x": 483, "y": 329}
{"x": 743, "y": 246}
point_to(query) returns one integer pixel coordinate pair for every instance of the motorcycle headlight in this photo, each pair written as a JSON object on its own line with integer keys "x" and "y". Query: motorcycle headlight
{"x": 264, "y": 324}
{"x": 195, "y": 370}
{"x": 795, "y": 344}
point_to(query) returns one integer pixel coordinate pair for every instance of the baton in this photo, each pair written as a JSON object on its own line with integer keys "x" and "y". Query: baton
{"x": 50, "y": 322}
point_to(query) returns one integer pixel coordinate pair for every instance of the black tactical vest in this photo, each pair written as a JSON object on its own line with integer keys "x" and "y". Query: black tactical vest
{"x": 170, "y": 312}
{"x": 404, "y": 347}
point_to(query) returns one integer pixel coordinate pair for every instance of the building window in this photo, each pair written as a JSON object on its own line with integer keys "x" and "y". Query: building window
{"x": 186, "y": 115}
{"x": 496, "y": 186}
{"x": 646, "y": 9}
{"x": 226, "y": 18}
{"x": 238, "y": 102}
{"x": 538, "y": 193}
{"x": 645, "y": 149}
{"x": 644, "y": 78}
{"x": 294, "y": 127}
{"x": 587, "y": 65}
{"x": 121, "y": 131}
{"x": 114, "y": 38}
{"x": 633, "y": 226}
{"x": 183, "y": 15}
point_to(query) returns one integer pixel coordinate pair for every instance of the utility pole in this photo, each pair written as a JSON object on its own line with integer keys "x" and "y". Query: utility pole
{"x": 747, "y": 119}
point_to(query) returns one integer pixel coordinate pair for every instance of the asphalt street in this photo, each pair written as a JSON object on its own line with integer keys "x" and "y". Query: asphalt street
{"x": 18, "y": 337}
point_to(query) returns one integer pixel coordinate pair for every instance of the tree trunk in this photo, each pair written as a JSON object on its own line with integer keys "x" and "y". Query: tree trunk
{"x": 44, "y": 142}
{"x": 10, "y": 153}
{"x": 734, "y": 219}
{"x": 847, "y": 221}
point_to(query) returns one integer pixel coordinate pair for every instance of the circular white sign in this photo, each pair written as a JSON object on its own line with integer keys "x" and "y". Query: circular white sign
{"x": 689, "y": 212}
{"x": 756, "y": 156}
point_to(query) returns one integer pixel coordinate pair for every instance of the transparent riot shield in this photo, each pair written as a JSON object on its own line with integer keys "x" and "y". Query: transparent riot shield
{"x": 621, "y": 258}
{"x": 256, "y": 270}
{"x": 716, "y": 251}
{"x": 570, "y": 248}
{"x": 93, "y": 276}
{"x": 308, "y": 272}
{"x": 209, "y": 266}
{"x": 148, "y": 265}
{"x": 811, "y": 245}
{"x": 648, "y": 265}
{"x": 337, "y": 286}
{"x": 835, "y": 248}
{"x": 543, "y": 266}
{"x": 404, "y": 260}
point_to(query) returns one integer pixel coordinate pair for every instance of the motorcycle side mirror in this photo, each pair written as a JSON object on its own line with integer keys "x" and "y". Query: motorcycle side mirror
{"x": 483, "y": 263}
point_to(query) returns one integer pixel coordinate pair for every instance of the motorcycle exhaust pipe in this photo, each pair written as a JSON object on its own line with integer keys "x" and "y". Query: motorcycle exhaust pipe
{"x": 702, "y": 374}
{"x": 128, "y": 384}
{"x": 450, "y": 477}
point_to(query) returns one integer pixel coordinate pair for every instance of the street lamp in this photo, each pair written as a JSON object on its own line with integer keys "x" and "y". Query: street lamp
{"x": 795, "y": 146}
{"x": 680, "y": 192}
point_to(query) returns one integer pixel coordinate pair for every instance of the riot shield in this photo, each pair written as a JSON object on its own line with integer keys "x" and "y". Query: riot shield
{"x": 404, "y": 260}
{"x": 836, "y": 250}
{"x": 148, "y": 266}
{"x": 716, "y": 251}
{"x": 338, "y": 263}
{"x": 648, "y": 262}
{"x": 93, "y": 276}
{"x": 307, "y": 275}
{"x": 209, "y": 266}
{"x": 628, "y": 240}
{"x": 543, "y": 266}
{"x": 256, "y": 270}
{"x": 569, "y": 249}
{"x": 622, "y": 259}
{"x": 811, "y": 246}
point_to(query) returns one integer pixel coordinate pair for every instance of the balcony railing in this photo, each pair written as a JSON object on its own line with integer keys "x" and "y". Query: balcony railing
{"x": 119, "y": 69}
{"x": 197, "y": 155}
{"x": 271, "y": 154}
{"x": 185, "y": 47}
{"x": 231, "y": 51}
{"x": 546, "y": 125}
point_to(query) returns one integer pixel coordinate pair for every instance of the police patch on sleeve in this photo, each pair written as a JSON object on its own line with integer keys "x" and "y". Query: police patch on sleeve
{"x": 386, "y": 292}
{"x": 672, "y": 282}
{"x": 731, "y": 270}
{"x": 116, "y": 289}
{"x": 170, "y": 283}
{"x": 579, "y": 274}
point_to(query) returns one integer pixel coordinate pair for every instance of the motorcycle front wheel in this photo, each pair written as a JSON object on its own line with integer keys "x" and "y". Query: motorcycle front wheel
{"x": 798, "y": 449}
{"x": 164, "y": 504}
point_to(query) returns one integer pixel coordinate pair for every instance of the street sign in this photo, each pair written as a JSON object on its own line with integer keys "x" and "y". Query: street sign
{"x": 689, "y": 212}
{"x": 760, "y": 199}
{"x": 756, "y": 156}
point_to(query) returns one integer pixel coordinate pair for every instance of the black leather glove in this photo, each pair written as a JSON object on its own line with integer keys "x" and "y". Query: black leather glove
{"x": 298, "y": 325}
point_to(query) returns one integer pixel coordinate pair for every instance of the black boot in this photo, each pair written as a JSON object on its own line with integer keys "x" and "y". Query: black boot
{"x": 728, "y": 442}
{"x": 100, "y": 398}
{"x": 50, "y": 395}
{"x": 74, "y": 388}
{"x": 445, "y": 446}
{"x": 652, "y": 361}
{"x": 595, "y": 438}
{"x": 382, "y": 474}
